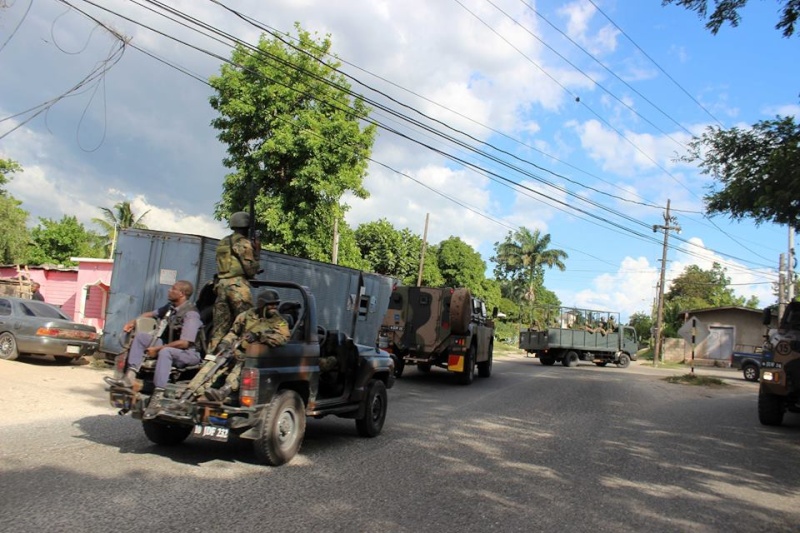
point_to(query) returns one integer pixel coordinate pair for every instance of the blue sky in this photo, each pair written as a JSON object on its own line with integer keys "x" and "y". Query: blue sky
{"x": 593, "y": 100}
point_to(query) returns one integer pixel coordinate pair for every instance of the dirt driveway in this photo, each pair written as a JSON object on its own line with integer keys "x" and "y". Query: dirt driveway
{"x": 39, "y": 389}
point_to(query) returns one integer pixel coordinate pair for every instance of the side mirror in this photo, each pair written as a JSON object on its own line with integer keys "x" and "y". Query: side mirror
{"x": 494, "y": 312}
{"x": 766, "y": 316}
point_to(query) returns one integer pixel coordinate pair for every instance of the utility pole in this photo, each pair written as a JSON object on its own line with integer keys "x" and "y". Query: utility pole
{"x": 667, "y": 227}
{"x": 335, "y": 251}
{"x": 790, "y": 264}
{"x": 422, "y": 253}
{"x": 782, "y": 286}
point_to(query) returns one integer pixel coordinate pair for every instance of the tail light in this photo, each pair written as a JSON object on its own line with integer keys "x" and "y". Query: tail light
{"x": 248, "y": 392}
{"x": 72, "y": 334}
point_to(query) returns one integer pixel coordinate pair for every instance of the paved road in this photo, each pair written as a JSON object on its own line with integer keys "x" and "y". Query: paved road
{"x": 532, "y": 448}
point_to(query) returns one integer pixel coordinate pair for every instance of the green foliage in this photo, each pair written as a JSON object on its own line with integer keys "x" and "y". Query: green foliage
{"x": 696, "y": 288}
{"x": 520, "y": 261}
{"x": 14, "y": 235}
{"x": 7, "y": 167}
{"x": 295, "y": 142}
{"x": 757, "y": 168}
{"x": 55, "y": 242}
{"x": 728, "y": 11}
{"x": 643, "y": 324}
{"x": 461, "y": 265}
{"x": 122, "y": 217}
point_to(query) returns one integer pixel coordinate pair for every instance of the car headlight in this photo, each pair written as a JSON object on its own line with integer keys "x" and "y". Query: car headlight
{"x": 771, "y": 377}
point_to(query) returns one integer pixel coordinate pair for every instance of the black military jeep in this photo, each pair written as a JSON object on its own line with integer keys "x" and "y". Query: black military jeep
{"x": 279, "y": 387}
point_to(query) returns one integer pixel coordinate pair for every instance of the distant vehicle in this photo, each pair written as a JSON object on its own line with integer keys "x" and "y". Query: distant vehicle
{"x": 444, "y": 327}
{"x": 31, "y": 327}
{"x": 748, "y": 360}
{"x": 568, "y": 335}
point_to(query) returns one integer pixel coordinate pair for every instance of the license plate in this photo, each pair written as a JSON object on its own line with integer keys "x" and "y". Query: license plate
{"x": 73, "y": 349}
{"x": 211, "y": 432}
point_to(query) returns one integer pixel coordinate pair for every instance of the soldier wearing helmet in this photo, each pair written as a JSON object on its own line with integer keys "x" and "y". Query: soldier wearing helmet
{"x": 263, "y": 325}
{"x": 237, "y": 262}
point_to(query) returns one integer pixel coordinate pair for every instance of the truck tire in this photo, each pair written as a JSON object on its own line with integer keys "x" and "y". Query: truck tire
{"x": 751, "y": 372}
{"x": 283, "y": 425}
{"x": 547, "y": 361}
{"x": 467, "y": 376}
{"x": 165, "y": 434}
{"x": 399, "y": 366}
{"x": 570, "y": 359}
{"x": 376, "y": 402}
{"x": 460, "y": 311}
{"x": 485, "y": 367}
{"x": 770, "y": 409}
{"x": 624, "y": 360}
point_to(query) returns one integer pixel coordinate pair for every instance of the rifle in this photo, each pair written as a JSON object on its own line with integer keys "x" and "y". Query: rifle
{"x": 209, "y": 374}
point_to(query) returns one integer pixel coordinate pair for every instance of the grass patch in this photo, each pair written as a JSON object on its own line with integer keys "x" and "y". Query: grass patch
{"x": 694, "y": 379}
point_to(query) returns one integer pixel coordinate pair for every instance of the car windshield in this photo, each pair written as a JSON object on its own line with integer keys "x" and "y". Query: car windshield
{"x": 34, "y": 308}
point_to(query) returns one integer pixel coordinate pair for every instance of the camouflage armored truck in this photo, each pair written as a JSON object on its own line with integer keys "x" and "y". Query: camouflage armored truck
{"x": 569, "y": 335}
{"x": 278, "y": 388}
{"x": 443, "y": 327}
{"x": 779, "y": 384}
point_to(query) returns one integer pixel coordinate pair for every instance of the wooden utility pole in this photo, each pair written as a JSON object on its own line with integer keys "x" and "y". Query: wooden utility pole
{"x": 422, "y": 253}
{"x": 782, "y": 286}
{"x": 660, "y": 316}
{"x": 335, "y": 252}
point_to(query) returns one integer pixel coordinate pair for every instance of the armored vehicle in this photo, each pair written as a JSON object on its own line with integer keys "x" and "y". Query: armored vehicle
{"x": 779, "y": 385}
{"x": 569, "y": 335}
{"x": 443, "y": 327}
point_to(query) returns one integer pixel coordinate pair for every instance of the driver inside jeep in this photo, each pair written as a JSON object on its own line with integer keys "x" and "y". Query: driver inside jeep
{"x": 262, "y": 324}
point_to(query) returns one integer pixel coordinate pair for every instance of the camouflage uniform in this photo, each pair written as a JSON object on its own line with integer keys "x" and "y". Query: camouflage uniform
{"x": 271, "y": 330}
{"x": 236, "y": 263}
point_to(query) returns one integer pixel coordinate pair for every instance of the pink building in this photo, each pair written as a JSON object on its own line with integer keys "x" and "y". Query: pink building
{"x": 81, "y": 292}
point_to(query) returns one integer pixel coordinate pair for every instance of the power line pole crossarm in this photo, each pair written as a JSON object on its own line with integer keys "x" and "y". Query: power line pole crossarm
{"x": 670, "y": 224}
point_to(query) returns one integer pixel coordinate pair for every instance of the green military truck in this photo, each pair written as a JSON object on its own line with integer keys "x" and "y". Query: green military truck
{"x": 569, "y": 335}
{"x": 444, "y": 327}
{"x": 779, "y": 384}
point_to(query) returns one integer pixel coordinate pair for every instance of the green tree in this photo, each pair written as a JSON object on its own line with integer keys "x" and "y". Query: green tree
{"x": 121, "y": 217}
{"x": 728, "y": 11}
{"x": 14, "y": 234}
{"x": 294, "y": 140}
{"x": 696, "y": 288}
{"x": 7, "y": 167}
{"x": 461, "y": 265}
{"x": 643, "y": 324}
{"x": 520, "y": 260}
{"x": 757, "y": 168}
{"x": 55, "y": 242}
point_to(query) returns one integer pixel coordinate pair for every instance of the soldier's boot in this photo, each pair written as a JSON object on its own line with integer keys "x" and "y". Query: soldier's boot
{"x": 154, "y": 406}
{"x": 126, "y": 381}
{"x": 218, "y": 395}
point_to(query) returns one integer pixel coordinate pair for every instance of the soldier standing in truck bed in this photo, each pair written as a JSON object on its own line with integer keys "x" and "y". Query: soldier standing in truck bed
{"x": 237, "y": 262}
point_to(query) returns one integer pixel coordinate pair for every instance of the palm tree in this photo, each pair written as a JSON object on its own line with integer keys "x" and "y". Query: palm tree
{"x": 521, "y": 259}
{"x": 121, "y": 218}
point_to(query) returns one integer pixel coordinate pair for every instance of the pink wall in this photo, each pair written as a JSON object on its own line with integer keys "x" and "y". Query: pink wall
{"x": 81, "y": 292}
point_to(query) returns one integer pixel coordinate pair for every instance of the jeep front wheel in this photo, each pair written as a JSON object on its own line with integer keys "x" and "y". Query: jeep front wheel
{"x": 375, "y": 404}
{"x": 485, "y": 367}
{"x": 770, "y": 409}
{"x": 283, "y": 425}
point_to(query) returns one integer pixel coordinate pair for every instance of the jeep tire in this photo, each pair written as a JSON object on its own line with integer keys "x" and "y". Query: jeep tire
{"x": 283, "y": 425}
{"x": 770, "y": 408}
{"x": 485, "y": 367}
{"x": 375, "y": 404}
{"x": 467, "y": 375}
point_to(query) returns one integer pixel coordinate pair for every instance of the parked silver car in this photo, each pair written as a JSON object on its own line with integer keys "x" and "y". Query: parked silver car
{"x": 37, "y": 328}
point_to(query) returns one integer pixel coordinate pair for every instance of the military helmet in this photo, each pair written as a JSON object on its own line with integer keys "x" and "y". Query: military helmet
{"x": 240, "y": 219}
{"x": 267, "y": 297}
